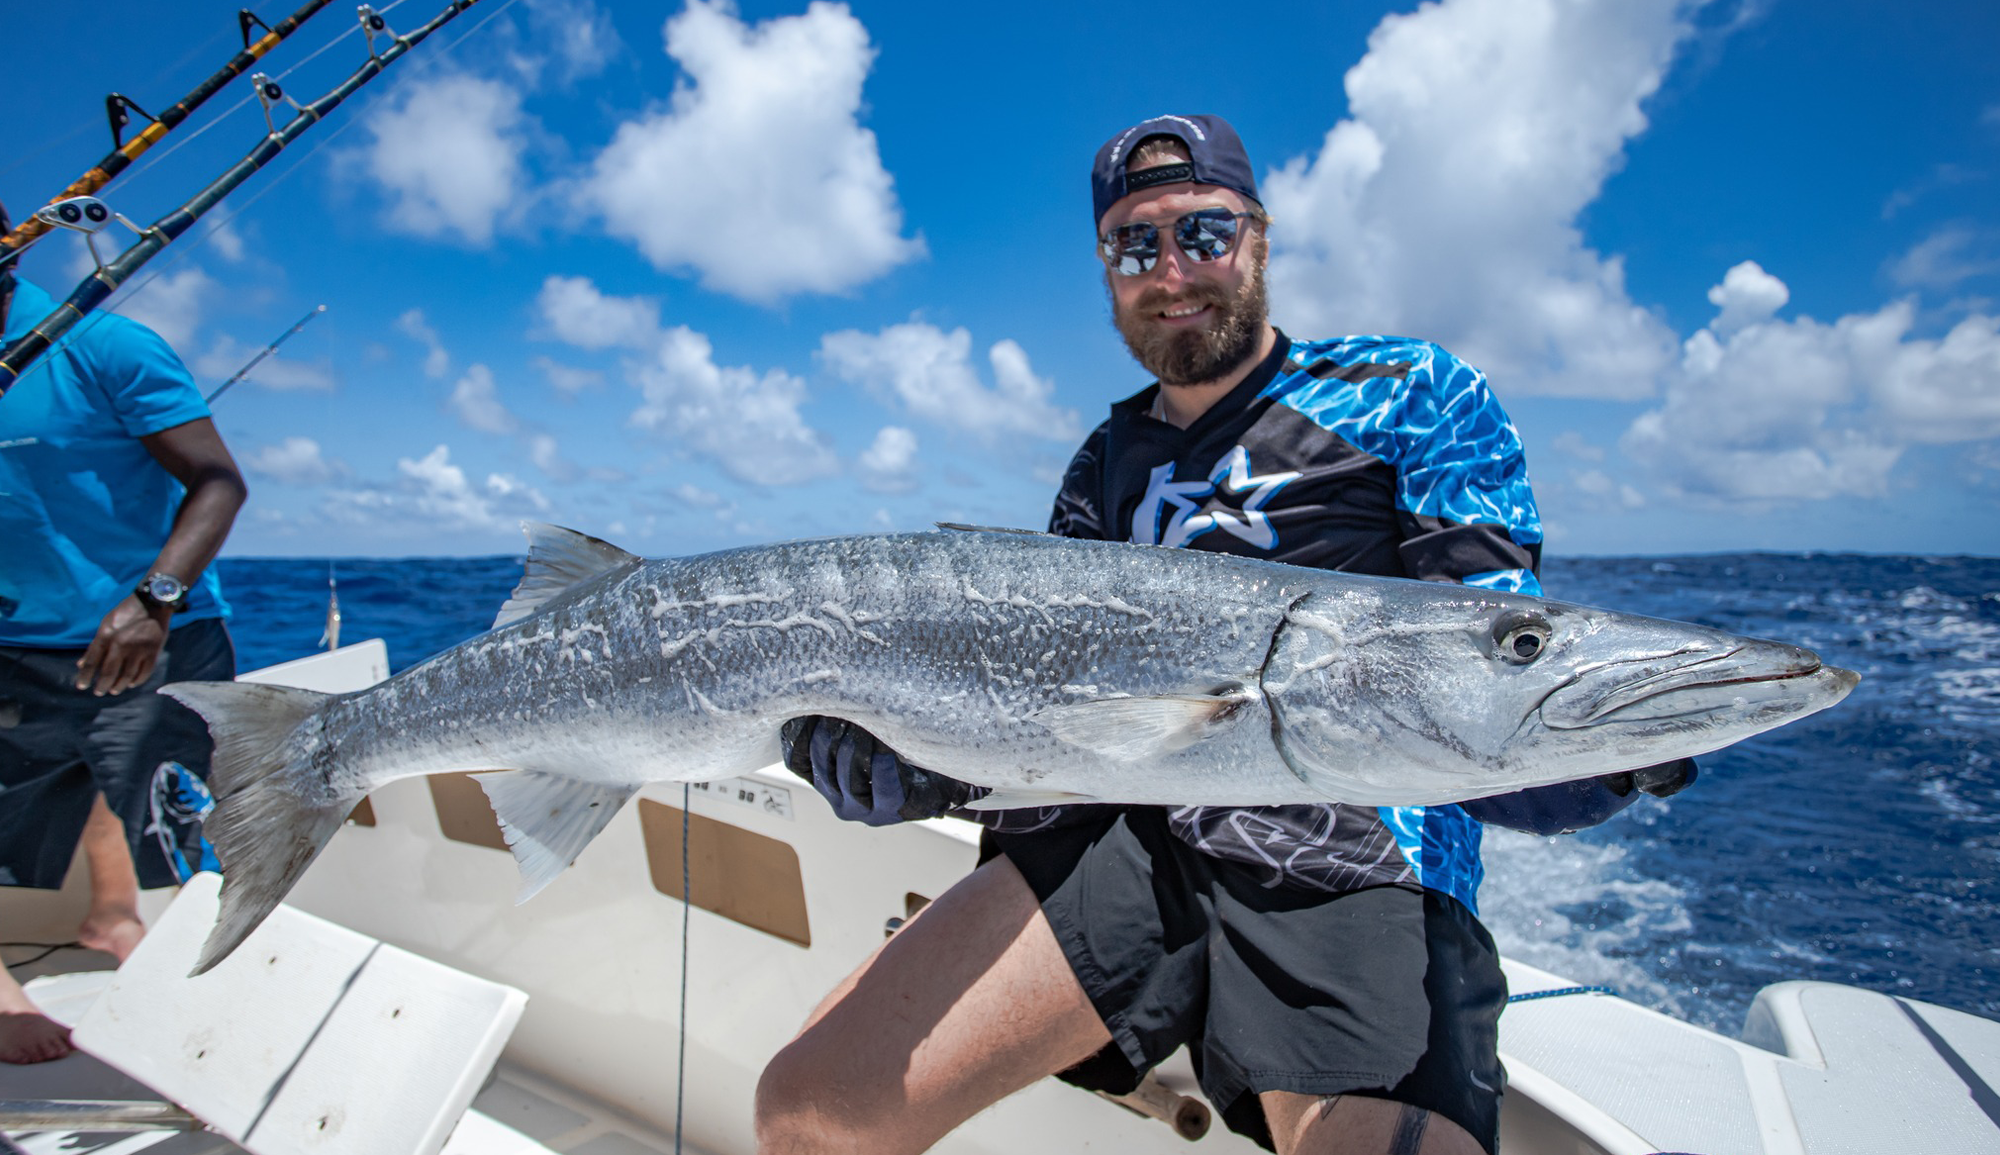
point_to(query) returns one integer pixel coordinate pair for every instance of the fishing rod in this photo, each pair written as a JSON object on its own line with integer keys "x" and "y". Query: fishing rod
{"x": 119, "y": 109}
{"x": 89, "y": 215}
{"x": 266, "y": 351}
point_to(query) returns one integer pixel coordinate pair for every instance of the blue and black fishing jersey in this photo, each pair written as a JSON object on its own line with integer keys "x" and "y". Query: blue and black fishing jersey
{"x": 1370, "y": 455}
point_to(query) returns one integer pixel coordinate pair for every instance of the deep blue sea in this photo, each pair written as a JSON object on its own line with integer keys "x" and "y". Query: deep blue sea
{"x": 1861, "y": 845}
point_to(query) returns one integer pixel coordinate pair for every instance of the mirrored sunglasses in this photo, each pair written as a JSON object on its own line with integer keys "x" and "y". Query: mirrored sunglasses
{"x": 1204, "y": 235}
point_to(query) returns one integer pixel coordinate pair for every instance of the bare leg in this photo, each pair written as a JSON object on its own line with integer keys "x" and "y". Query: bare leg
{"x": 26, "y": 1034}
{"x": 1359, "y": 1125}
{"x": 970, "y": 1002}
{"x": 112, "y": 924}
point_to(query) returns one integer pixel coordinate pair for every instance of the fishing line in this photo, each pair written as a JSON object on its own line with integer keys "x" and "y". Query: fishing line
{"x": 225, "y": 114}
{"x": 363, "y": 109}
{"x": 223, "y": 217}
{"x": 22, "y": 158}
{"x": 88, "y": 124}
{"x": 25, "y": 354}
{"x": 687, "y": 905}
{"x": 118, "y": 109}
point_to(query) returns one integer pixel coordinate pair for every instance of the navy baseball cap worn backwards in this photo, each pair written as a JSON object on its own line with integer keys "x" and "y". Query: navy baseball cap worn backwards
{"x": 1216, "y": 153}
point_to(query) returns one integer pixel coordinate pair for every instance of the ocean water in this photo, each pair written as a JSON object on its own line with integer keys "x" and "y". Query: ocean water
{"x": 1860, "y": 846}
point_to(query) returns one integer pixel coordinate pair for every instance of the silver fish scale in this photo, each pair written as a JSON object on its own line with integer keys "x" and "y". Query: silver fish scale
{"x": 1042, "y": 667}
{"x": 944, "y": 645}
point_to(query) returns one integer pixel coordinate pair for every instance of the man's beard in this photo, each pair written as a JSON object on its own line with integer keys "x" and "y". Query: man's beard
{"x": 1210, "y": 352}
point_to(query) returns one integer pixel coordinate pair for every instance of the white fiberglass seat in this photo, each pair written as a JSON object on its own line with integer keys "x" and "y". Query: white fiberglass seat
{"x": 310, "y": 1038}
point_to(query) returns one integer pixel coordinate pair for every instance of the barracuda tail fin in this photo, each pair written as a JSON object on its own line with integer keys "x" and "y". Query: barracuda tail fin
{"x": 267, "y": 825}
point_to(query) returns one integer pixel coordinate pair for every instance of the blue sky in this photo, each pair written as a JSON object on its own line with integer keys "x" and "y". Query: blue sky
{"x": 695, "y": 275}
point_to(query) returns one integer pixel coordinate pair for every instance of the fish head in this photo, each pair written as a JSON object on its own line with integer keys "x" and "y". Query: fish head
{"x": 1414, "y": 693}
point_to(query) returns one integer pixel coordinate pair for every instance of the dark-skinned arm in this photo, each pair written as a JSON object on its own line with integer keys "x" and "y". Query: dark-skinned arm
{"x": 130, "y": 637}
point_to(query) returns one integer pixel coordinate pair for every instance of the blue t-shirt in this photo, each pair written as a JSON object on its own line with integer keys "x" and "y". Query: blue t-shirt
{"x": 84, "y": 508}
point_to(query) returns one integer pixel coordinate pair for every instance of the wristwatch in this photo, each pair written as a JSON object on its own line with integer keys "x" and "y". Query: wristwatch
{"x": 162, "y": 590}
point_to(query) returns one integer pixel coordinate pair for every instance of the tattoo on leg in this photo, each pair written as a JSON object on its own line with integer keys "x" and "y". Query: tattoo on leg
{"x": 1409, "y": 1135}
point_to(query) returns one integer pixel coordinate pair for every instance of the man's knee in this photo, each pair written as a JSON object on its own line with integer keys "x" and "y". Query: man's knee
{"x": 806, "y": 1102}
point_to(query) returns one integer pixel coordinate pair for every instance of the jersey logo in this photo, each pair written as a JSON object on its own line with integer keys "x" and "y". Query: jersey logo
{"x": 1232, "y": 475}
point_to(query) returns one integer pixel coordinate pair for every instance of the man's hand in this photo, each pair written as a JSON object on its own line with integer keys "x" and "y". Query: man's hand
{"x": 1663, "y": 780}
{"x": 1570, "y": 806}
{"x": 127, "y": 644}
{"x": 865, "y": 780}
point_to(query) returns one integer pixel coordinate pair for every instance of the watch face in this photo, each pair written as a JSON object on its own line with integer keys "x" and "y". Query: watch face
{"x": 165, "y": 587}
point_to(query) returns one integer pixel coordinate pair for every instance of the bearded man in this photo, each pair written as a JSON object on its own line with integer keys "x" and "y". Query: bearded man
{"x": 1322, "y": 963}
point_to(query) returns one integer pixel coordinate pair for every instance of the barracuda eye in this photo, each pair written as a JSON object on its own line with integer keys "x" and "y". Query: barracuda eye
{"x": 1521, "y": 637}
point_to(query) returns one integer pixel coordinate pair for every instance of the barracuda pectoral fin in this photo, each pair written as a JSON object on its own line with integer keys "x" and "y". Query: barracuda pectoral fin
{"x": 548, "y": 819}
{"x": 1026, "y": 800}
{"x": 1134, "y": 729}
{"x": 559, "y": 560}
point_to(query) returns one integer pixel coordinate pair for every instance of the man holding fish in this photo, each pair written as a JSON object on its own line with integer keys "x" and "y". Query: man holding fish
{"x": 1322, "y": 962}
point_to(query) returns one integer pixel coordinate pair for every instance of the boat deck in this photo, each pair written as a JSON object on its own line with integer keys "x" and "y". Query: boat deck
{"x": 787, "y": 900}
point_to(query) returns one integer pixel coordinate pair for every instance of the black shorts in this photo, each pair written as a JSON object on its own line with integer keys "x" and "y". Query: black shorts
{"x": 60, "y": 747}
{"x": 1391, "y": 992}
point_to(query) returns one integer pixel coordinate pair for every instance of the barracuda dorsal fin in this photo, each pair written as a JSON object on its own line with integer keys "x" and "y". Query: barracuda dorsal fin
{"x": 558, "y": 560}
{"x": 1133, "y": 729}
{"x": 961, "y": 527}
{"x": 548, "y": 820}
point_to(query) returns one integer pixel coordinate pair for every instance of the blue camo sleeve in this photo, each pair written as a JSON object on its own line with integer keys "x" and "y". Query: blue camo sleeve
{"x": 1465, "y": 487}
{"x": 1462, "y": 480}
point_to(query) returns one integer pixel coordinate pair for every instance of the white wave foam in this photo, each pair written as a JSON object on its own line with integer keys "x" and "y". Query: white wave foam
{"x": 1619, "y": 917}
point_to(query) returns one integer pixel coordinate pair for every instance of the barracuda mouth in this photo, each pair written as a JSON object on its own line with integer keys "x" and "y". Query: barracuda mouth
{"x": 1696, "y": 683}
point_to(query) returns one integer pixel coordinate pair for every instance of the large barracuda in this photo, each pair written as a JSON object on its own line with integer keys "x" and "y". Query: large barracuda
{"x": 1045, "y": 668}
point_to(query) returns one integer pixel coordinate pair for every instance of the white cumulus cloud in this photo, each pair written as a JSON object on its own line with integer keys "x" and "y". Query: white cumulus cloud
{"x": 476, "y": 401}
{"x": 172, "y": 305}
{"x": 576, "y": 33}
{"x": 568, "y": 380}
{"x": 432, "y": 494}
{"x": 226, "y": 241}
{"x": 888, "y": 464}
{"x": 448, "y": 153}
{"x": 746, "y": 422}
{"x": 546, "y": 453}
{"x": 577, "y": 313}
{"x": 931, "y": 373}
{"x": 1947, "y": 258}
{"x": 1446, "y": 205}
{"x": 758, "y": 174}
{"x": 1747, "y": 296}
{"x": 293, "y": 461}
{"x": 1573, "y": 444}
{"x": 437, "y": 362}
{"x": 1773, "y": 410}
{"x": 228, "y": 356}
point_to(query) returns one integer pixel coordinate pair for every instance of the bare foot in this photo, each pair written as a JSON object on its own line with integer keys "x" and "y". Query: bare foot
{"x": 32, "y": 1038}
{"x": 26, "y": 1034}
{"x": 115, "y": 931}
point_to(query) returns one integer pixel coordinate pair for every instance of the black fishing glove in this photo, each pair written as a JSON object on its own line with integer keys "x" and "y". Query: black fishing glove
{"x": 1661, "y": 781}
{"x": 865, "y": 780}
{"x": 1570, "y": 806}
